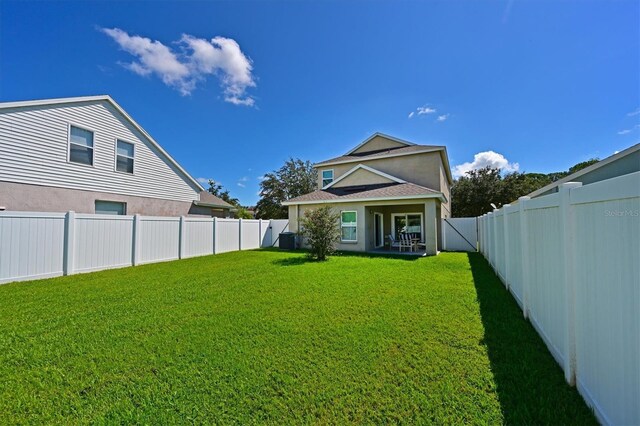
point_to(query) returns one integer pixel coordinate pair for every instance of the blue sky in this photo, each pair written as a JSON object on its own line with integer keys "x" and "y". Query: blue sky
{"x": 232, "y": 89}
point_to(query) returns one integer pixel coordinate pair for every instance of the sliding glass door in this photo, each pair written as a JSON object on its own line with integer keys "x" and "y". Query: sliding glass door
{"x": 410, "y": 223}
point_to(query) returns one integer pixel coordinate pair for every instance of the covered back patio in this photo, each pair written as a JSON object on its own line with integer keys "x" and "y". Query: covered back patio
{"x": 416, "y": 222}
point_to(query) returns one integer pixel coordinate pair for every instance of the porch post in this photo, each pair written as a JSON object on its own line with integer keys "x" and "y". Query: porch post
{"x": 430, "y": 227}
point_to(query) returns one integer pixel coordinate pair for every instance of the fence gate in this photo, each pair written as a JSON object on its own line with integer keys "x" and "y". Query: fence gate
{"x": 459, "y": 234}
{"x": 275, "y": 228}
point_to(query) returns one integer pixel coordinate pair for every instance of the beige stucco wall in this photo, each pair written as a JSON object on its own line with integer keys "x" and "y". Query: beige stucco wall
{"x": 22, "y": 197}
{"x": 422, "y": 169}
{"x": 362, "y": 177}
{"x": 428, "y": 207}
{"x": 378, "y": 143}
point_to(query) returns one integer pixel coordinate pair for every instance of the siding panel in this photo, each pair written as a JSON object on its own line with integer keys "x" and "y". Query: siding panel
{"x": 33, "y": 150}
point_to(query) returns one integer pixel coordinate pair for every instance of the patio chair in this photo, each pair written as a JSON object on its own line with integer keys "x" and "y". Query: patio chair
{"x": 393, "y": 242}
{"x": 405, "y": 242}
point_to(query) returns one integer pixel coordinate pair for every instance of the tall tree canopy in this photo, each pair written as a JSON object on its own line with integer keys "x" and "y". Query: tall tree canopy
{"x": 473, "y": 194}
{"x": 294, "y": 178}
{"x": 217, "y": 189}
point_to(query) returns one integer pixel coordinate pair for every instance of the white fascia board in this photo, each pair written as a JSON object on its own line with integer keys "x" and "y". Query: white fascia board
{"x": 369, "y": 169}
{"x": 378, "y": 157}
{"x": 381, "y": 135}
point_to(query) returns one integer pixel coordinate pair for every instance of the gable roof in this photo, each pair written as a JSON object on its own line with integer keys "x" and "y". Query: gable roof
{"x": 409, "y": 149}
{"x": 207, "y": 199}
{"x": 376, "y": 134}
{"x": 600, "y": 164}
{"x": 108, "y": 99}
{"x": 378, "y": 192}
{"x": 369, "y": 169}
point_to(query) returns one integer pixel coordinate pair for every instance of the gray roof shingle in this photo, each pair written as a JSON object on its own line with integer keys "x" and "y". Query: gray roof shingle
{"x": 387, "y": 190}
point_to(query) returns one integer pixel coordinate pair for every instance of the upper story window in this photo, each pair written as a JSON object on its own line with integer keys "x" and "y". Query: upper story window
{"x": 124, "y": 156}
{"x": 80, "y": 145}
{"x": 327, "y": 177}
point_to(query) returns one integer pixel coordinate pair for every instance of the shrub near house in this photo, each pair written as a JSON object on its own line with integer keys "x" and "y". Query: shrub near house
{"x": 320, "y": 228}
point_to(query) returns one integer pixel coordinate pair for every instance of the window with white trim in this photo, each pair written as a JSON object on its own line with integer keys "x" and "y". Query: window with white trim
{"x": 124, "y": 156}
{"x": 327, "y": 177}
{"x": 80, "y": 145}
{"x": 349, "y": 226}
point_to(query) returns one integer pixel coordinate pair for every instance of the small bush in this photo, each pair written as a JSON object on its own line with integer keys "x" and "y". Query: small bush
{"x": 320, "y": 228}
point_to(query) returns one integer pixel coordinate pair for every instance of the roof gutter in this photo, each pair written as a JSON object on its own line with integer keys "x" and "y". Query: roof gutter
{"x": 438, "y": 195}
{"x": 219, "y": 206}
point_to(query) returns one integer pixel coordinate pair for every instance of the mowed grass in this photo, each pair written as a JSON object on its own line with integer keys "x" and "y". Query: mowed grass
{"x": 267, "y": 337}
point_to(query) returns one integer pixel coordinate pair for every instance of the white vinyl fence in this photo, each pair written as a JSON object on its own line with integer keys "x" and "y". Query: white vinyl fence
{"x": 41, "y": 245}
{"x": 459, "y": 234}
{"x": 572, "y": 261}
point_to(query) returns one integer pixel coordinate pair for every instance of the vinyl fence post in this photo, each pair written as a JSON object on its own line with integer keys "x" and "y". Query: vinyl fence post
{"x": 215, "y": 235}
{"x": 69, "y": 242}
{"x": 181, "y": 238}
{"x": 567, "y": 259}
{"x": 524, "y": 250}
{"x": 135, "y": 251}
{"x": 507, "y": 246}
{"x": 240, "y": 234}
{"x": 489, "y": 237}
{"x": 495, "y": 242}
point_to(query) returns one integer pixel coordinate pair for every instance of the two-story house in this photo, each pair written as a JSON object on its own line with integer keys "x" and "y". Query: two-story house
{"x": 382, "y": 188}
{"x": 88, "y": 155}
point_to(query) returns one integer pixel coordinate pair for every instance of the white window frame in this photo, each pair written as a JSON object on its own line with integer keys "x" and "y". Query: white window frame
{"x": 93, "y": 147}
{"x": 342, "y": 225}
{"x": 393, "y": 224}
{"x": 115, "y": 156}
{"x": 323, "y": 179}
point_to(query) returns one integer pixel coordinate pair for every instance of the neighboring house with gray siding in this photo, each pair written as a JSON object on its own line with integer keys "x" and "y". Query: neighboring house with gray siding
{"x": 88, "y": 155}
{"x": 621, "y": 163}
{"x": 382, "y": 188}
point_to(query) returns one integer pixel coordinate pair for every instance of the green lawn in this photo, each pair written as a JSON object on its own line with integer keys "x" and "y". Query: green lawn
{"x": 267, "y": 337}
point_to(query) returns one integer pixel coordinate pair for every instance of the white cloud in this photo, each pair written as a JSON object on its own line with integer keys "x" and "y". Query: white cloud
{"x": 636, "y": 112}
{"x": 425, "y": 110}
{"x": 442, "y": 117}
{"x": 203, "y": 180}
{"x": 261, "y": 178}
{"x": 242, "y": 181}
{"x": 484, "y": 159}
{"x": 627, "y": 131}
{"x": 194, "y": 60}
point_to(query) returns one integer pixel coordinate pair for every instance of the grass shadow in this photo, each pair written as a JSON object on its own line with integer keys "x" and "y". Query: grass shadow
{"x": 529, "y": 383}
{"x": 293, "y": 261}
{"x": 378, "y": 255}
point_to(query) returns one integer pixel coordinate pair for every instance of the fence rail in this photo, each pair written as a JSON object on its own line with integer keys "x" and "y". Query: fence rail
{"x": 41, "y": 245}
{"x": 572, "y": 262}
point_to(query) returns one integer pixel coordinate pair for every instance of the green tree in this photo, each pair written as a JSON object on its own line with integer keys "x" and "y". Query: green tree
{"x": 582, "y": 165}
{"x": 218, "y": 190}
{"x": 321, "y": 231}
{"x": 472, "y": 194}
{"x": 294, "y": 178}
